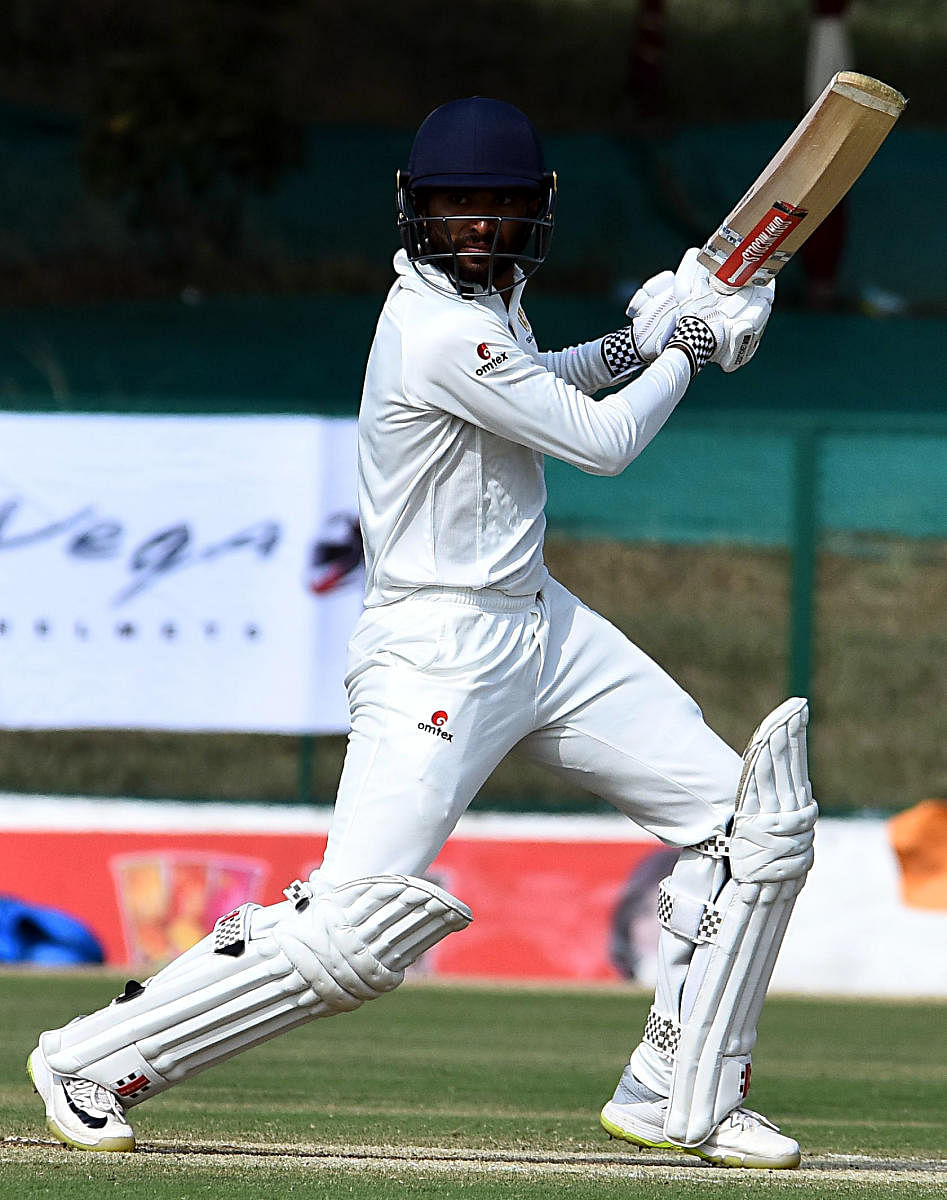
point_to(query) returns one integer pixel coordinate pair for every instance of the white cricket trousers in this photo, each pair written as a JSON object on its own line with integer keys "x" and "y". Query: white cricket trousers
{"x": 443, "y": 684}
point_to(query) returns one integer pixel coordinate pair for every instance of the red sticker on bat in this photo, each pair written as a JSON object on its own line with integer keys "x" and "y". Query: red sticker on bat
{"x": 765, "y": 236}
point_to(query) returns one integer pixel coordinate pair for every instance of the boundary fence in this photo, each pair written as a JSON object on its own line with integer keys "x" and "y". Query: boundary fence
{"x": 777, "y": 479}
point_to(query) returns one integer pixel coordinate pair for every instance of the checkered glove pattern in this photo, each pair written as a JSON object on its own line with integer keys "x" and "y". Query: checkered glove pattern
{"x": 620, "y": 352}
{"x": 696, "y": 339}
{"x": 714, "y": 326}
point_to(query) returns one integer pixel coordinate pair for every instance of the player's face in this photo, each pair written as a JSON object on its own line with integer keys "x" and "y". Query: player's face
{"x": 473, "y": 222}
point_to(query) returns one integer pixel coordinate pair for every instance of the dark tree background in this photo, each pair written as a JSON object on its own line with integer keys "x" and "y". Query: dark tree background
{"x": 186, "y": 107}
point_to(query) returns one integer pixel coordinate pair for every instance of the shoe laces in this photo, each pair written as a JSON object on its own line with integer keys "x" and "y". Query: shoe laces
{"x": 88, "y": 1094}
{"x": 746, "y": 1118}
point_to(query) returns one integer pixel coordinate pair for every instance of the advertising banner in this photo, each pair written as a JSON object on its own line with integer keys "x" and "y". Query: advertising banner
{"x": 177, "y": 572}
{"x": 555, "y": 898}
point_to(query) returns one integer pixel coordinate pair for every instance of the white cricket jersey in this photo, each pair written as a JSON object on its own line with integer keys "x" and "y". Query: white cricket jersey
{"x": 458, "y": 409}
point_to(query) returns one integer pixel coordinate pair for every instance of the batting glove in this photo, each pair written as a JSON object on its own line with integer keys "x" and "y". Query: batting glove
{"x": 714, "y": 326}
{"x": 653, "y": 313}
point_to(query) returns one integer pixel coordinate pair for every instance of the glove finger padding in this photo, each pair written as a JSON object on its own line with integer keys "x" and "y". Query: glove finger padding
{"x": 691, "y": 279}
{"x": 735, "y": 320}
{"x": 700, "y": 329}
{"x": 654, "y": 288}
{"x": 745, "y": 328}
{"x": 653, "y": 313}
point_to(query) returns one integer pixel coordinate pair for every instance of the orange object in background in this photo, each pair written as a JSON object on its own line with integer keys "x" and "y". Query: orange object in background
{"x": 555, "y": 898}
{"x": 919, "y": 839}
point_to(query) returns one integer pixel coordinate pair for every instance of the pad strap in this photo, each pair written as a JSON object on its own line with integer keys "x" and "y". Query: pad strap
{"x": 697, "y": 920}
{"x": 717, "y": 846}
{"x": 662, "y": 1033}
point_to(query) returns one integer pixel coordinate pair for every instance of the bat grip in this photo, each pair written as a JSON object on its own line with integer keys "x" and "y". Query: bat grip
{"x": 719, "y": 286}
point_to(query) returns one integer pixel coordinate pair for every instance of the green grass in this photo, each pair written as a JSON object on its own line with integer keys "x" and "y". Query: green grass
{"x": 506, "y": 1083}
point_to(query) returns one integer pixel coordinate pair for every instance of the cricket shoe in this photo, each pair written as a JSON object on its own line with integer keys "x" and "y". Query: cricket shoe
{"x": 742, "y": 1139}
{"x": 80, "y": 1113}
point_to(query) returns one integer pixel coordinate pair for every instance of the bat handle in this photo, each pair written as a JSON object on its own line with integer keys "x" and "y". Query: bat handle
{"x": 718, "y": 285}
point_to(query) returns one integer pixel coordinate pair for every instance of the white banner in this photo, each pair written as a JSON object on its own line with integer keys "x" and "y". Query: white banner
{"x": 180, "y": 573}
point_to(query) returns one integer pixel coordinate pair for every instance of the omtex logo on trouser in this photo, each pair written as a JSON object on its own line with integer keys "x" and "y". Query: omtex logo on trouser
{"x": 435, "y": 726}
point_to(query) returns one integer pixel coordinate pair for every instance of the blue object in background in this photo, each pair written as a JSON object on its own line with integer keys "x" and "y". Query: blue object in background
{"x": 30, "y": 933}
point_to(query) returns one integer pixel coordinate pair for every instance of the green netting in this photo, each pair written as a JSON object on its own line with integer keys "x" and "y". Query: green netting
{"x": 721, "y": 470}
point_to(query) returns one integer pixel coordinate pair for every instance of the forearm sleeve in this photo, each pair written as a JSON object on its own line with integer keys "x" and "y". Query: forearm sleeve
{"x": 594, "y": 365}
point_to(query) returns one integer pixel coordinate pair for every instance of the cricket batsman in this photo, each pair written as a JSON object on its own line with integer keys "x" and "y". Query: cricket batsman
{"x": 466, "y": 648}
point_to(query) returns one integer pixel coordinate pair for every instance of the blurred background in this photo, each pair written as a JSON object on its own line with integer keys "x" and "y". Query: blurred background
{"x": 197, "y": 217}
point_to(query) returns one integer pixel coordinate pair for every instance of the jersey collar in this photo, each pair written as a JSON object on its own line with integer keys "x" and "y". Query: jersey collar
{"x": 409, "y": 272}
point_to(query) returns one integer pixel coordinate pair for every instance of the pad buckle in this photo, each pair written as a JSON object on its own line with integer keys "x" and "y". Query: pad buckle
{"x": 232, "y": 931}
{"x": 299, "y": 894}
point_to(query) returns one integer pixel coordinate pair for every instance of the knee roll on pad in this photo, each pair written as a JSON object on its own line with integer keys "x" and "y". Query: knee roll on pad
{"x": 735, "y": 929}
{"x": 260, "y": 972}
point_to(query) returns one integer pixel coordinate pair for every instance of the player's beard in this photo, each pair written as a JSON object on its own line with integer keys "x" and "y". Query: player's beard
{"x": 471, "y": 261}
{"x": 470, "y": 264}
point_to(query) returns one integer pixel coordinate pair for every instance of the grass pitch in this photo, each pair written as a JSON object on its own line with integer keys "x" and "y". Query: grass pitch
{"x": 486, "y": 1092}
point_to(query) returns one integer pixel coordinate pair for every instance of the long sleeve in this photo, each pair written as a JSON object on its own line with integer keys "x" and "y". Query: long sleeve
{"x": 469, "y": 365}
{"x": 594, "y": 365}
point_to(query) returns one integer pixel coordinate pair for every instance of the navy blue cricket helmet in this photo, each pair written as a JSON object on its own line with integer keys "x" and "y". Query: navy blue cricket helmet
{"x": 475, "y": 143}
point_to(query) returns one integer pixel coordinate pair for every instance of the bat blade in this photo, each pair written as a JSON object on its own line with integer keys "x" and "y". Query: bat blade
{"x": 810, "y": 173}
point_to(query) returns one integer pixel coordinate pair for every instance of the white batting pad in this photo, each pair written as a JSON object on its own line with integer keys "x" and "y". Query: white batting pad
{"x": 775, "y": 813}
{"x": 260, "y": 972}
{"x": 770, "y": 853}
{"x": 723, "y": 913}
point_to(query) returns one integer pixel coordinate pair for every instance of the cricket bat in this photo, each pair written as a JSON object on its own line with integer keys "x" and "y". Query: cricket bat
{"x": 806, "y": 178}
